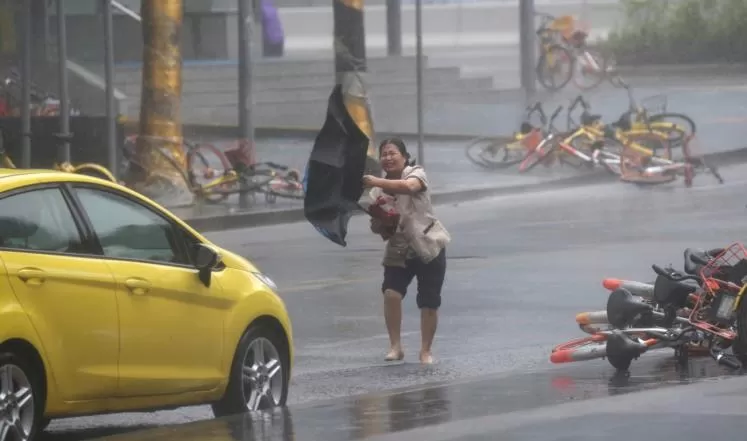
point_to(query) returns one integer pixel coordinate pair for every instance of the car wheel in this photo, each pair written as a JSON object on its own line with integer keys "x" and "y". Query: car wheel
{"x": 259, "y": 374}
{"x": 21, "y": 403}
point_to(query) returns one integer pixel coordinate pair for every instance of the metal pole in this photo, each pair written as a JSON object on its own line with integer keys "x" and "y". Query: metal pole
{"x": 394, "y": 27}
{"x": 64, "y": 94}
{"x": 246, "y": 98}
{"x": 526, "y": 44}
{"x": 419, "y": 68}
{"x": 26, "y": 88}
{"x": 45, "y": 30}
{"x": 111, "y": 114}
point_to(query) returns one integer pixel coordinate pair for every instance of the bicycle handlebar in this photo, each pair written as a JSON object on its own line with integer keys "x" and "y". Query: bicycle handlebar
{"x": 579, "y": 100}
{"x": 675, "y": 276}
{"x": 555, "y": 114}
{"x": 537, "y": 107}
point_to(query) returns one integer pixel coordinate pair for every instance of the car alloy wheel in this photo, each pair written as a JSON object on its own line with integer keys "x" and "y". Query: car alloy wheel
{"x": 17, "y": 410}
{"x": 262, "y": 374}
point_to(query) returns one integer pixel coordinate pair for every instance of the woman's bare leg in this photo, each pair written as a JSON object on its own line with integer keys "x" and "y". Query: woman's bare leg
{"x": 428, "y": 325}
{"x": 393, "y": 318}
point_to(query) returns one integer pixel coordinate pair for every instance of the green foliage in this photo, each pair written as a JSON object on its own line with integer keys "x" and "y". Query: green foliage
{"x": 681, "y": 31}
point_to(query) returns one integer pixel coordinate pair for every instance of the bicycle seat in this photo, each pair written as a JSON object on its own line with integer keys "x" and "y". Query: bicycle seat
{"x": 694, "y": 260}
{"x": 623, "y": 307}
{"x": 623, "y": 122}
{"x": 589, "y": 119}
{"x": 671, "y": 293}
{"x": 621, "y": 346}
{"x": 525, "y": 128}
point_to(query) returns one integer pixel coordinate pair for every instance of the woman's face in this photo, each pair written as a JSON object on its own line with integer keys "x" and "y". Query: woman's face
{"x": 391, "y": 159}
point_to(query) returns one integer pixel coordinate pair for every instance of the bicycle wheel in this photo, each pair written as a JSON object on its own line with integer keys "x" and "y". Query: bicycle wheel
{"x": 677, "y": 131}
{"x": 580, "y": 349}
{"x": 493, "y": 153}
{"x": 547, "y": 69}
{"x": 591, "y": 64}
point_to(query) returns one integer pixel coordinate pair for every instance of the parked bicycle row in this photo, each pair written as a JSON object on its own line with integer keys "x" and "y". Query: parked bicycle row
{"x": 211, "y": 174}
{"x": 645, "y": 145}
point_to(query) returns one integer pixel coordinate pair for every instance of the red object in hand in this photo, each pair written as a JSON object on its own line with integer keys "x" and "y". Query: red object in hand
{"x": 383, "y": 209}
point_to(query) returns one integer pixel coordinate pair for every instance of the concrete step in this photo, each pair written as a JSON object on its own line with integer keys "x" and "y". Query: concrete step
{"x": 272, "y": 69}
{"x": 444, "y": 75}
{"x": 230, "y": 99}
{"x": 227, "y": 113}
{"x": 390, "y": 113}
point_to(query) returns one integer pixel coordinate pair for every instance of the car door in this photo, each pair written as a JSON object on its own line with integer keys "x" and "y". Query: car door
{"x": 67, "y": 292}
{"x": 171, "y": 324}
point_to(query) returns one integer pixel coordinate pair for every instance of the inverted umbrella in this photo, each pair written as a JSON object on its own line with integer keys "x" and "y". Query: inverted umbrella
{"x": 333, "y": 178}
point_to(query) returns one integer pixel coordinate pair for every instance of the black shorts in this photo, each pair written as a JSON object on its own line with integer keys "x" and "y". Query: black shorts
{"x": 430, "y": 279}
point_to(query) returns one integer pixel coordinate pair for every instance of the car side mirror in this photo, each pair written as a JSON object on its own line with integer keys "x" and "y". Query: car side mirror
{"x": 206, "y": 259}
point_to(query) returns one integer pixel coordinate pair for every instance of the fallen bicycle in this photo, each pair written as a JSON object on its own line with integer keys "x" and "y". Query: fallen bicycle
{"x": 670, "y": 313}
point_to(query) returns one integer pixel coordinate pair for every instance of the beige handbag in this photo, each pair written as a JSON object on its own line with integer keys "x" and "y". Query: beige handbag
{"x": 426, "y": 236}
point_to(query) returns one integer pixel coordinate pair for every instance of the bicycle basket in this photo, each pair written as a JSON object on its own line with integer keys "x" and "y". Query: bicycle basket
{"x": 714, "y": 311}
{"x": 654, "y": 104}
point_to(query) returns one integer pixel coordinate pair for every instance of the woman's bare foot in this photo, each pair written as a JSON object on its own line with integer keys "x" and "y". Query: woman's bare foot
{"x": 395, "y": 355}
{"x": 426, "y": 358}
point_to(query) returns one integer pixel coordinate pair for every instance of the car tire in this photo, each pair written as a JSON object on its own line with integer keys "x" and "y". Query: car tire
{"x": 30, "y": 417}
{"x": 269, "y": 376}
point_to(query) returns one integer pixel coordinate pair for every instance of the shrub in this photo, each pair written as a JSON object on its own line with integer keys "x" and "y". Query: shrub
{"x": 680, "y": 31}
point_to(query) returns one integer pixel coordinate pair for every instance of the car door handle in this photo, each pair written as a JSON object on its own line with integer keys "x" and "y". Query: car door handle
{"x": 138, "y": 287}
{"x": 31, "y": 276}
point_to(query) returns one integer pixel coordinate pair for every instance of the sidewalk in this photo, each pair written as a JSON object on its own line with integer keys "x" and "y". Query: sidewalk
{"x": 714, "y": 103}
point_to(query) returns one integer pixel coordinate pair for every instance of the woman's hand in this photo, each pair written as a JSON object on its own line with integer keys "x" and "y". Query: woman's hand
{"x": 371, "y": 181}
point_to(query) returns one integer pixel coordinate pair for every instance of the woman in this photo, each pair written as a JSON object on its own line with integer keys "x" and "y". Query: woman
{"x": 416, "y": 246}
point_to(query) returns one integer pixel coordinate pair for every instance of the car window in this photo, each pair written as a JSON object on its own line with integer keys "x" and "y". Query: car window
{"x": 39, "y": 220}
{"x": 128, "y": 230}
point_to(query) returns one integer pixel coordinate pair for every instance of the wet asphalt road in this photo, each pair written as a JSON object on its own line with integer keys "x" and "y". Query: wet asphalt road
{"x": 545, "y": 405}
{"x": 519, "y": 269}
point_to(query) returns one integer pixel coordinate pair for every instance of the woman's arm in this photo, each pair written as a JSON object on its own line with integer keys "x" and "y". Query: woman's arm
{"x": 410, "y": 185}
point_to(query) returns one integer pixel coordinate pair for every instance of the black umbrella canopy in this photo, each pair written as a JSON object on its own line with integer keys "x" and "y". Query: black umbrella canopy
{"x": 333, "y": 179}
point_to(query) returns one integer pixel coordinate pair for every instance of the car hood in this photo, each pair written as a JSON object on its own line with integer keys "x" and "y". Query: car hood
{"x": 234, "y": 261}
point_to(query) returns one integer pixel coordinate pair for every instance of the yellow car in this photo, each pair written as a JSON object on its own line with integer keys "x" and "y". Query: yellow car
{"x": 110, "y": 303}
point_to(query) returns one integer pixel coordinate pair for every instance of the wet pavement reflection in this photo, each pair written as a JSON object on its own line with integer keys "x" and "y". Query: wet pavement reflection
{"x": 358, "y": 418}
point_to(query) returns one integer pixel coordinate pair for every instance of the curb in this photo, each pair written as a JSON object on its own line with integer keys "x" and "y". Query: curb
{"x": 676, "y": 69}
{"x": 292, "y": 215}
{"x": 264, "y": 218}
